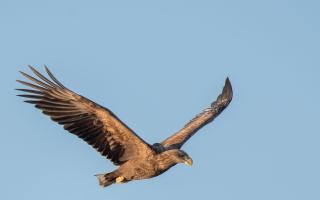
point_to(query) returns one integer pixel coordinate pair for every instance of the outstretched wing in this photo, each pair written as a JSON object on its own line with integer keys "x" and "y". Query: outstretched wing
{"x": 178, "y": 139}
{"x": 95, "y": 124}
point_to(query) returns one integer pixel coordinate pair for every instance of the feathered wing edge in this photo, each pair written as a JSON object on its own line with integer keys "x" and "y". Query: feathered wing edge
{"x": 93, "y": 123}
{"x": 208, "y": 115}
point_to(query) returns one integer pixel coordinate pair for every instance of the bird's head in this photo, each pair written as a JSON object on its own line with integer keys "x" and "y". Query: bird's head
{"x": 180, "y": 156}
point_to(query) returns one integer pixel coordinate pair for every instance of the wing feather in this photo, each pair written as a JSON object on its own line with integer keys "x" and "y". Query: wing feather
{"x": 91, "y": 122}
{"x": 208, "y": 115}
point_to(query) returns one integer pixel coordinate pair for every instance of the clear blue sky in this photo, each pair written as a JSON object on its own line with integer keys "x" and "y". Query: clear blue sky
{"x": 156, "y": 65}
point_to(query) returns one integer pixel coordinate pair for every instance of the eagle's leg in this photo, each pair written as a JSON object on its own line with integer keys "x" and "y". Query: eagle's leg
{"x": 120, "y": 179}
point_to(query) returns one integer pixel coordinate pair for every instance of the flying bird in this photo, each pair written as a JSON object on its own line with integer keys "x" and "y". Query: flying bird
{"x": 112, "y": 138}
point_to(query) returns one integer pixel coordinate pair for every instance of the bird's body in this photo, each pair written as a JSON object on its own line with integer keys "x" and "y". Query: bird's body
{"x": 105, "y": 132}
{"x": 138, "y": 169}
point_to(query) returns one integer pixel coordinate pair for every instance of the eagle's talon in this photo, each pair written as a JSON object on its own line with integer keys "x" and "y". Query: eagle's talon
{"x": 120, "y": 179}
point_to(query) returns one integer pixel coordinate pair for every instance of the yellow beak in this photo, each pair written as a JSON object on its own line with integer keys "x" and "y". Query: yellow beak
{"x": 188, "y": 162}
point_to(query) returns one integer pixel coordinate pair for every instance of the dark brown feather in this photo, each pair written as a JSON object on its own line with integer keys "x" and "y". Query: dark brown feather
{"x": 31, "y": 85}
{"x": 54, "y": 78}
{"x": 30, "y": 91}
{"x": 42, "y": 77}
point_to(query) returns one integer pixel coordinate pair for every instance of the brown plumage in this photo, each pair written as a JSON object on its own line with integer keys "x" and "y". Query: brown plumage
{"x": 100, "y": 128}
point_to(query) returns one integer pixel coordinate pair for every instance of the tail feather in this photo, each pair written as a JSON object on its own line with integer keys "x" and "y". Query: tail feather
{"x": 107, "y": 179}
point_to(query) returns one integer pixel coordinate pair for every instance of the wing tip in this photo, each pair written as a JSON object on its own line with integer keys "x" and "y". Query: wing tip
{"x": 227, "y": 91}
{"x": 46, "y": 68}
{"x": 30, "y": 66}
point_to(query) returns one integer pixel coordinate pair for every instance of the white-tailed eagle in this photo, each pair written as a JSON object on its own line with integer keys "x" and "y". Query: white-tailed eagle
{"x": 112, "y": 138}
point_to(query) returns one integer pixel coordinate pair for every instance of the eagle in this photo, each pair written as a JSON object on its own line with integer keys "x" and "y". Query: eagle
{"x": 113, "y": 139}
